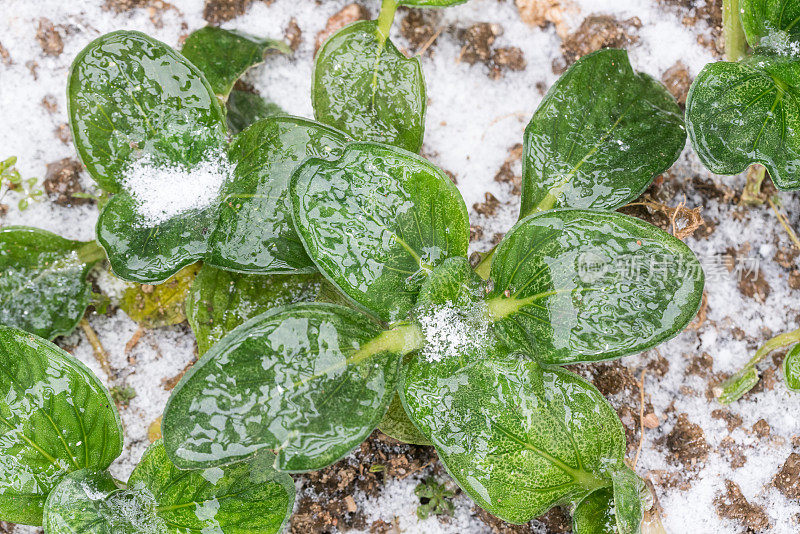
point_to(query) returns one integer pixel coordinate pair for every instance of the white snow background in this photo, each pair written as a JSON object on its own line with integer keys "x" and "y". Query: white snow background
{"x": 471, "y": 124}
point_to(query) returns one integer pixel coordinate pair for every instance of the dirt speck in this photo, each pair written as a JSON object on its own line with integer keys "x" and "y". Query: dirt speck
{"x": 612, "y": 378}
{"x": 49, "y": 103}
{"x": 62, "y": 181}
{"x": 542, "y": 13}
{"x": 555, "y": 521}
{"x": 293, "y": 34}
{"x": 419, "y": 26}
{"x": 701, "y": 365}
{"x": 478, "y": 40}
{"x": 348, "y": 14}
{"x": 594, "y": 33}
{"x": 733, "y": 505}
{"x": 218, "y": 11}
{"x": 678, "y": 80}
{"x": 507, "y": 58}
{"x": 787, "y": 480}
{"x": 506, "y": 174}
{"x": 49, "y": 38}
{"x": 761, "y": 428}
{"x": 687, "y": 442}
{"x": 732, "y": 420}
{"x": 733, "y": 452}
{"x": 5, "y": 56}
{"x": 488, "y": 207}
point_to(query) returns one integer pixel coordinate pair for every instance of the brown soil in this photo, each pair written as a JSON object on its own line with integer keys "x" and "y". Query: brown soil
{"x": 788, "y": 478}
{"x": 49, "y": 38}
{"x": 347, "y": 15}
{"x": 687, "y": 443}
{"x": 594, "y": 33}
{"x": 733, "y": 505}
{"x": 62, "y": 181}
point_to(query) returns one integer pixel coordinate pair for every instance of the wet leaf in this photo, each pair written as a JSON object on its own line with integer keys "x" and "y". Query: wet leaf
{"x": 130, "y": 95}
{"x": 628, "y": 506}
{"x": 599, "y": 137}
{"x": 595, "y": 514}
{"x": 161, "y": 305}
{"x": 590, "y": 285}
{"x": 366, "y": 87}
{"x": 55, "y": 417}
{"x": 245, "y": 108}
{"x": 43, "y": 287}
{"x": 247, "y": 228}
{"x": 223, "y": 56}
{"x": 236, "y": 499}
{"x": 737, "y": 385}
{"x": 451, "y": 283}
{"x": 92, "y": 502}
{"x": 308, "y": 380}
{"x": 748, "y": 112}
{"x": 396, "y": 424}
{"x": 771, "y": 22}
{"x": 791, "y": 369}
{"x": 219, "y": 301}
{"x": 159, "y": 498}
{"x": 375, "y": 221}
{"x": 517, "y": 437}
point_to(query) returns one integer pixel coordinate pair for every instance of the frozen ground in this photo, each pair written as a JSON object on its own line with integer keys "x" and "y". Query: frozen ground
{"x": 473, "y": 121}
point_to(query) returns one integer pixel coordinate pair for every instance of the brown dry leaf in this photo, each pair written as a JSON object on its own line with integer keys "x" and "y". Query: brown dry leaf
{"x": 684, "y": 221}
{"x": 543, "y": 12}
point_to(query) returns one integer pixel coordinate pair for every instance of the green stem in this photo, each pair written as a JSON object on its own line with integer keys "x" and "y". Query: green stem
{"x": 386, "y": 18}
{"x": 91, "y": 252}
{"x": 777, "y": 342}
{"x": 732, "y": 31}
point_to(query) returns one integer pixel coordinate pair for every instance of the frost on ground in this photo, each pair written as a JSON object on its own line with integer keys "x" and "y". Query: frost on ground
{"x": 714, "y": 469}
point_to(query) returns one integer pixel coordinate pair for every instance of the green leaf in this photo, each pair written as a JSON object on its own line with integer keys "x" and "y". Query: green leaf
{"x": 310, "y": 381}
{"x": 771, "y": 22}
{"x": 219, "y": 301}
{"x": 160, "y": 499}
{"x": 589, "y": 285}
{"x": 791, "y": 369}
{"x": 244, "y": 108}
{"x": 599, "y": 137}
{"x": 55, "y": 417}
{"x": 737, "y": 385}
{"x": 254, "y": 231}
{"x": 517, "y": 437}
{"x": 375, "y": 221}
{"x": 366, "y": 87}
{"x": 595, "y": 514}
{"x": 161, "y": 305}
{"x": 242, "y": 498}
{"x": 748, "y": 112}
{"x": 453, "y": 282}
{"x": 628, "y": 505}
{"x": 130, "y": 95}
{"x": 397, "y": 425}
{"x": 430, "y": 3}
{"x": 223, "y": 56}
{"x": 91, "y": 502}
{"x": 43, "y": 287}
{"x": 247, "y": 228}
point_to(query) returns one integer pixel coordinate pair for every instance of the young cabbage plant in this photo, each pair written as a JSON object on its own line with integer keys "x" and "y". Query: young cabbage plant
{"x": 476, "y": 364}
{"x": 363, "y": 85}
{"x": 181, "y": 193}
{"x": 61, "y": 431}
{"x": 744, "y": 111}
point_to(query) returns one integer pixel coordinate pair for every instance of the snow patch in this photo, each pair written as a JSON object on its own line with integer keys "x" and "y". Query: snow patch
{"x": 451, "y": 330}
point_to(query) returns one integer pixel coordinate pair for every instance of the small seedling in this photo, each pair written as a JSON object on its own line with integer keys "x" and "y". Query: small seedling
{"x": 12, "y": 180}
{"x": 434, "y": 499}
{"x": 122, "y": 395}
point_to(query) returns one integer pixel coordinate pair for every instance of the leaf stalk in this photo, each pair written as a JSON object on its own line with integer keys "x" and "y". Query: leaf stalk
{"x": 732, "y": 31}
{"x": 386, "y": 18}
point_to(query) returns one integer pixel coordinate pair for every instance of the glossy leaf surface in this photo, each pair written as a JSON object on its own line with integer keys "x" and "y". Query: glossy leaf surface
{"x": 161, "y": 305}
{"x": 219, "y": 301}
{"x": 223, "y": 56}
{"x": 748, "y": 112}
{"x": 518, "y": 438}
{"x": 242, "y": 498}
{"x": 396, "y": 424}
{"x": 595, "y": 514}
{"x": 375, "y": 221}
{"x": 254, "y": 230}
{"x": 599, "y": 137}
{"x": 791, "y": 369}
{"x": 130, "y": 95}
{"x": 91, "y": 502}
{"x": 308, "y": 380}
{"x": 585, "y": 285}
{"x": 244, "y": 108}
{"x": 247, "y": 228}
{"x": 771, "y": 23}
{"x": 43, "y": 287}
{"x": 366, "y": 87}
{"x": 55, "y": 417}
{"x": 628, "y": 506}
